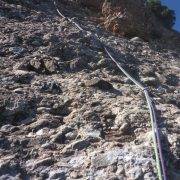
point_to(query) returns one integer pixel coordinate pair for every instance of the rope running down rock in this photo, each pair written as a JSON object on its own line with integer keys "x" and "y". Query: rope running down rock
{"x": 156, "y": 136}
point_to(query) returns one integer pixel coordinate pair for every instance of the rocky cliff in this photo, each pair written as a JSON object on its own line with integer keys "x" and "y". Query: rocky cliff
{"x": 131, "y": 18}
{"x": 66, "y": 110}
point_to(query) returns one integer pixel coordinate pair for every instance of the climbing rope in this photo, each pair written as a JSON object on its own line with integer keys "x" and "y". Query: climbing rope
{"x": 160, "y": 165}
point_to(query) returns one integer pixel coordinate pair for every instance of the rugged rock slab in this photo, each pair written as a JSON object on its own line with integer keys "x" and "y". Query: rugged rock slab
{"x": 66, "y": 111}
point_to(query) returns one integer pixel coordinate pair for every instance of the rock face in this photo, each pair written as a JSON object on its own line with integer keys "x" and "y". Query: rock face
{"x": 129, "y": 18}
{"x": 66, "y": 111}
{"x": 133, "y": 18}
{"x": 126, "y": 17}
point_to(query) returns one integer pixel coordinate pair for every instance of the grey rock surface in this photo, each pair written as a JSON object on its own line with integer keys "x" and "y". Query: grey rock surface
{"x": 66, "y": 111}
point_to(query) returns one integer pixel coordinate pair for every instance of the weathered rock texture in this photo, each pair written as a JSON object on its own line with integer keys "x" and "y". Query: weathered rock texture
{"x": 131, "y": 18}
{"x": 67, "y": 112}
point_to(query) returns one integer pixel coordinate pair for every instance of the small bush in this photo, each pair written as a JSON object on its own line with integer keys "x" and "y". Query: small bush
{"x": 163, "y": 13}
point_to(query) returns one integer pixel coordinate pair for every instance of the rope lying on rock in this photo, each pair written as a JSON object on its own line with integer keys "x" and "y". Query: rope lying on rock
{"x": 156, "y": 136}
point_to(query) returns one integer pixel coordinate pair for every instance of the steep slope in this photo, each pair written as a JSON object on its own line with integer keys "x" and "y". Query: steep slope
{"x": 67, "y": 112}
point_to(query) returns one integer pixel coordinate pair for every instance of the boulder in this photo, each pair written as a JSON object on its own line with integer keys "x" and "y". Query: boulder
{"x": 19, "y": 110}
{"x": 106, "y": 159}
{"x": 128, "y": 18}
{"x": 60, "y": 136}
{"x": 99, "y": 83}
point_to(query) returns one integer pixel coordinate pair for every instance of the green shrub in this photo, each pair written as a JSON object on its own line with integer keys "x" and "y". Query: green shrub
{"x": 163, "y": 13}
